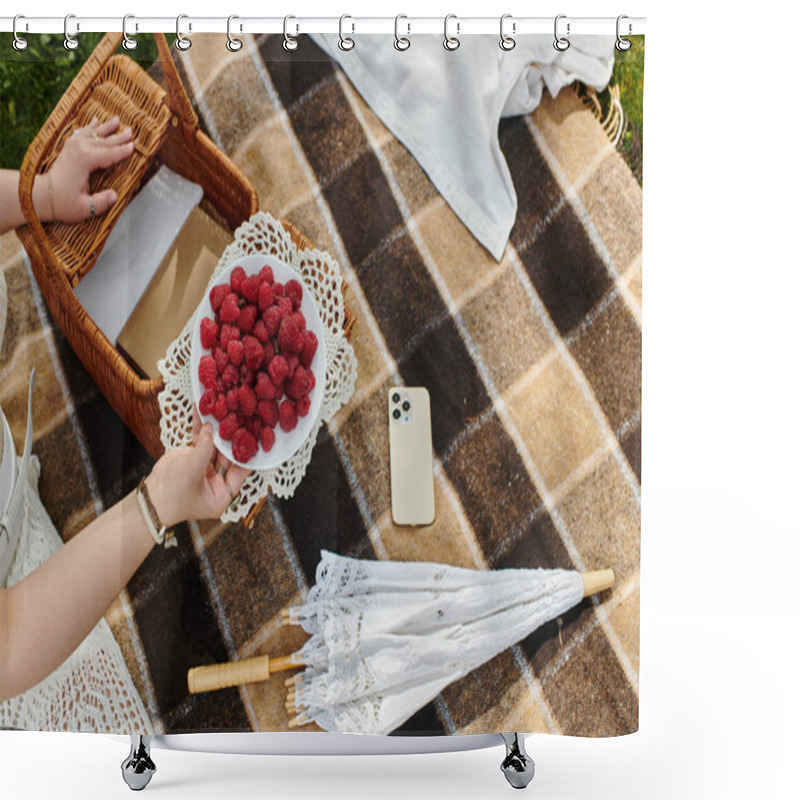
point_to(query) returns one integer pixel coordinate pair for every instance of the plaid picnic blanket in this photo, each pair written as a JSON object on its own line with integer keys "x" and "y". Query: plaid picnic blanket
{"x": 533, "y": 365}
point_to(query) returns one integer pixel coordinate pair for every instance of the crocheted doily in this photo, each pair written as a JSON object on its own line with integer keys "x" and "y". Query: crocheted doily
{"x": 263, "y": 234}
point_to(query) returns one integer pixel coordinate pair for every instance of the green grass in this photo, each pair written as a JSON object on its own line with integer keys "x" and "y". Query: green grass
{"x": 32, "y": 81}
{"x": 629, "y": 76}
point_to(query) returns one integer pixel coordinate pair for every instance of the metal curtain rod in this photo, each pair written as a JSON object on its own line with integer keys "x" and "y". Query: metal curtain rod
{"x": 462, "y": 26}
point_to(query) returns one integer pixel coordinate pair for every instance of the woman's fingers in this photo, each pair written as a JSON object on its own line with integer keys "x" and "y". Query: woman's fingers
{"x": 107, "y": 127}
{"x": 197, "y": 423}
{"x": 107, "y": 156}
{"x": 236, "y": 477}
{"x": 115, "y": 138}
{"x": 223, "y": 463}
{"x": 102, "y": 201}
{"x": 204, "y": 445}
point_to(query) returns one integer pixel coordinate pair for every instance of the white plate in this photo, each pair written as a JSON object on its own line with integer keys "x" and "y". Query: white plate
{"x": 286, "y": 444}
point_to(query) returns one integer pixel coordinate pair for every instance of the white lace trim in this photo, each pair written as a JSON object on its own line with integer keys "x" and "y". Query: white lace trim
{"x": 263, "y": 234}
{"x": 92, "y": 690}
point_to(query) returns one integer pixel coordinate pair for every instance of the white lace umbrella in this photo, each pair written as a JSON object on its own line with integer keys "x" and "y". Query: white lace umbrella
{"x": 387, "y": 637}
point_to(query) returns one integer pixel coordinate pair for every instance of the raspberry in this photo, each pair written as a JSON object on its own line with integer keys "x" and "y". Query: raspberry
{"x": 309, "y": 349}
{"x": 294, "y": 291}
{"x": 278, "y": 369}
{"x": 244, "y": 445}
{"x": 236, "y": 352}
{"x": 227, "y": 333}
{"x": 230, "y": 376}
{"x": 254, "y": 426}
{"x": 229, "y": 310}
{"x": 247, "y": 375}
{"x": 247, "y": 400}
{"x": 260, "y": 332}
{"x": 277, "y": 289}
{"x": 220, "y": 407}
{"x": 237, "y": 276}
{"x": 268, "y": 411}
{"x": 272, "y": 320}
{"x": 206, "y": 404}
{"x": 228, "y": 427}
{"x": 253, "y": 352}
{"x": 300, "y": 384}
{"x": 218, "y": 294}
{"x": 247, "y": 318}
{"x": 207, "y": 370}
{"x": 265, "y": 388}
{"x": 265, "y": 296}
{"x": 220, "y": 359}
{"x": 302, "y": 405}
{"x": 287, "y": 416}
{"x": 267, "y": 439}
{"x": 269, "y": 353}
{"x": 285, "y": 306}
{"x": 293, "y": 360}
{"x": 290, "y": 339}
{"x": 232, "y": 398}
{"x": 250, "y": 286}
{"x": 209, "y": 333}
{"x": 266, "y": 275}
{"x": 299, "y": 320}
{"x": 313, "y": 379}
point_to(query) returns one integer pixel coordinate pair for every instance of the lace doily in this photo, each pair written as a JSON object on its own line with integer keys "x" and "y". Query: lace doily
{"x": 92, "y": 690}
{"x": 262, "y": 234}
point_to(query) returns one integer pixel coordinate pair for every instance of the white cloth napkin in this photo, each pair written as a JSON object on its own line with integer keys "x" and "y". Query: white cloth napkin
{"x": 445, "y": 107}
{"x": 135, "y": 248}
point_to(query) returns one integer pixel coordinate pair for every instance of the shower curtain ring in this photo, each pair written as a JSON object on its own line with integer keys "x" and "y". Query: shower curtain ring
{"x": 623, "y": 44}
{"x": 451, "y": 42}
{"x": 507, "y": 42}
{"x": 20, "y": 43}
{"x": 401, "y": 42}
{"x": 346, "y": 42}
{"x": 70, "y": 42}
{"x": 561, "y": 43}
{"x": 289, "y": 42}
{"x": 182, "y": 42}
{"x": 233, "y": 44}
{"x": 128, "y": 42}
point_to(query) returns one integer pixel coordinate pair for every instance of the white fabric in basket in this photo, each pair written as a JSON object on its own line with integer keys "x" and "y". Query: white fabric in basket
{"x": 263, "y": 234}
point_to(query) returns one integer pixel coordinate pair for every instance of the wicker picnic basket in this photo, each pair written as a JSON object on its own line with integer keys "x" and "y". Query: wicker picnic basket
{"x": 166, "y": 131}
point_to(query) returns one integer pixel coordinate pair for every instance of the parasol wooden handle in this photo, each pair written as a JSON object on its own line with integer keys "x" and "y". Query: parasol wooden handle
{"x": 598, "y": 581}
{"x": 234, "y": 673}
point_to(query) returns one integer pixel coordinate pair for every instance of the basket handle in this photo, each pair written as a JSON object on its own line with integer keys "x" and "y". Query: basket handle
{"x": 177, "y": 98}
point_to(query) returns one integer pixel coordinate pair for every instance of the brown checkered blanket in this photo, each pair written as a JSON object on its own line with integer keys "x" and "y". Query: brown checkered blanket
{"x": 534, "y": 370}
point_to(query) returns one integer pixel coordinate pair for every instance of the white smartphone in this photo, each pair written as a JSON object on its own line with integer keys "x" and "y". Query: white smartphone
{"x": 411, "y": 456}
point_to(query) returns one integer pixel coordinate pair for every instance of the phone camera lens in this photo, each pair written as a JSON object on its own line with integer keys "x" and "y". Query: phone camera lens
{"x": 406, "y": 406}
{"x": 396, "y": 413}
{"x": 395, "y": 398}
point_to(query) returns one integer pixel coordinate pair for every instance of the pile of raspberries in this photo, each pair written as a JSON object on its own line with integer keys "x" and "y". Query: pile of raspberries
{"x": 257, "y": 372}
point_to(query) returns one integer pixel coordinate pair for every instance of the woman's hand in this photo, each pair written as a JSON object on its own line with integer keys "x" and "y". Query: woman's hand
{"x": 94, "y": 147}
{"x": 187, "y": 484}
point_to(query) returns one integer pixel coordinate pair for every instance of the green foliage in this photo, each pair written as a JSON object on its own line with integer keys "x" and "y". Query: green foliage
{"x": 628, "y": 75}
{"x": 32, "y": 82}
